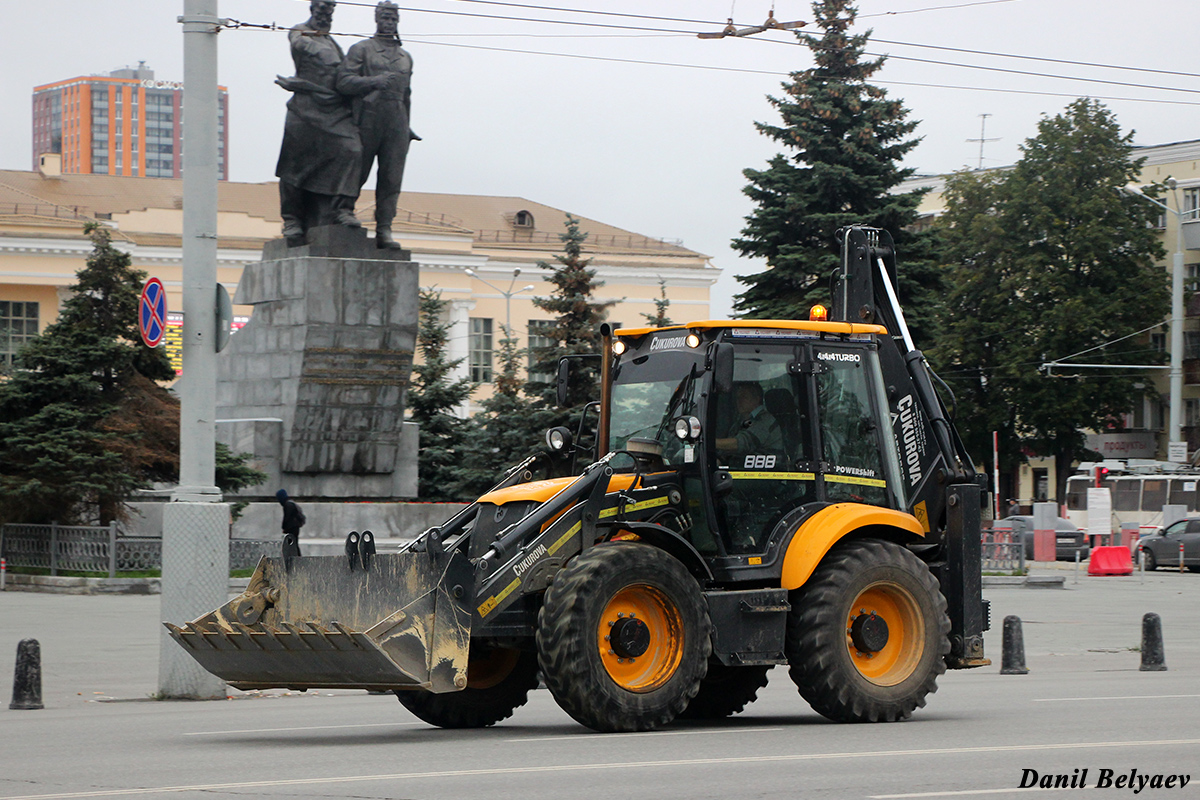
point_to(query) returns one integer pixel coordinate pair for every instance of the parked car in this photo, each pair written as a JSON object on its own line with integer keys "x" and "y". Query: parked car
{"x": 1069, "y": 540}
{"x": 1162, "y": 546}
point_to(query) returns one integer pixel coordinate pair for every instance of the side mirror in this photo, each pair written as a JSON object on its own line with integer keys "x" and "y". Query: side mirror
{"x": 722, "y": 367}
{"x": 562, "y": 382}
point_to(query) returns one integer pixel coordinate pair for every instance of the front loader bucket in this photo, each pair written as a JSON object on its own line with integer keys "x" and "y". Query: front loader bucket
{"x": 308, "y": 623}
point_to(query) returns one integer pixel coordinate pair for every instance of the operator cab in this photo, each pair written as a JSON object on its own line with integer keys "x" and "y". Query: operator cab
{"x": 758, "y": 423}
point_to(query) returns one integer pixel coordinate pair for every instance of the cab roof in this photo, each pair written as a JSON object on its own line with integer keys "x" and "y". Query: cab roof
{"x": 772, "y": 324}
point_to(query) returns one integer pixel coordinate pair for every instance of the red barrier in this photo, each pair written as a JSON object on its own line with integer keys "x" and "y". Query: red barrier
{"x": 1114, "y": 560}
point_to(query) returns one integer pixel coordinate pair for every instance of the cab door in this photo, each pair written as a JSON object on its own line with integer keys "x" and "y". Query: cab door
{"x": 762, "y": 437}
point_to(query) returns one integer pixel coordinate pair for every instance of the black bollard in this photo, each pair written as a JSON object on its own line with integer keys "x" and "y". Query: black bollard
{"x": 27, "y": 680}
{"x": 1153, "y": 659}
{"x": 1012, "y": 661}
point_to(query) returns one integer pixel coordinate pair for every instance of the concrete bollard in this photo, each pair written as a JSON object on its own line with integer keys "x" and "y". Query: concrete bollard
{"x": 1153, "y": 659}
{"x": 27, "y": 680}
{"x": 1012, "y": 660}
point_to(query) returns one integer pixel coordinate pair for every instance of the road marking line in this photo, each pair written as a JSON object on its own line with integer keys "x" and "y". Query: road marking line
{"x": 613, "y": 765}
{"x": 966, "y": 793}
{"x": 644, "y": 733}
{"x": 308, "y": 728}
{"x": 1126, "y": 697}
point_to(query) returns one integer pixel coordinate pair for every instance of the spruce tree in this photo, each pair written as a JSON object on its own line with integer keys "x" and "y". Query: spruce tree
{"x": 82, "y": 421}
{"x": 433, "y": 396}
{"x": 844, "y": 140}
{"x": 508, "y": 429}
{"x": 576, "y": 329}
{"x": 659, "y": 318}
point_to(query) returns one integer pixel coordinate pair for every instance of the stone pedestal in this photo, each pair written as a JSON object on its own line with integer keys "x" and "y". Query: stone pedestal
{"x": 314, "y": 385}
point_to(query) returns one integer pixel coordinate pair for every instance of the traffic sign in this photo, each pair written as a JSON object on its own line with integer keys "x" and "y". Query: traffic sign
{"x": 152, "y": 313}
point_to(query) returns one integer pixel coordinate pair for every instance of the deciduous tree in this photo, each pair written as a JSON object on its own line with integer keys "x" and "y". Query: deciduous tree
{"x": 1053, "y": 259}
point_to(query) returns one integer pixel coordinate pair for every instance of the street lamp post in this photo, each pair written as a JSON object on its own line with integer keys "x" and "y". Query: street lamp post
{"x": 508, "y": 296}
{"x": 1176, "y": 326}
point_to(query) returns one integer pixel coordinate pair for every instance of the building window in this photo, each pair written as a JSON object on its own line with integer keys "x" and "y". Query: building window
{"x": 480, "y": 359}
{"x": 1191, "y": 412}
{"x": 523, "y": 219}
{"x": 1191, "y": 344}
{"x": 539, "y": 340}
{"x": 18, "y": 324}
{"x": 1191, "y": 202}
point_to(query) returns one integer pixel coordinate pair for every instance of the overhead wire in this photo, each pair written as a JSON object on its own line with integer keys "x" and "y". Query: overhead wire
{"x": 935, "y": 8}
{"x": 892, "y": 56}
{"x": 1045, "y": 59}
{"x": 560, "y": 9}
{"x": 712, "y": 68}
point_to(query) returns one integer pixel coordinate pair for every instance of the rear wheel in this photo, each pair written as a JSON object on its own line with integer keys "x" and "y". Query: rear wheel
{"x": 624, "y": 638}
{"x": 725, "y": 691}
{"x": 498, "y": 683}
{"x": 868, "y": 633}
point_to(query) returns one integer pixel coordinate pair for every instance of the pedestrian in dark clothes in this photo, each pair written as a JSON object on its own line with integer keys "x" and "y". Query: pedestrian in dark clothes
{"x": 293, "y": 517}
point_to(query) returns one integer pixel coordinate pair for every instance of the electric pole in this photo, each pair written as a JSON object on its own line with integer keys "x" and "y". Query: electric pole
{"x": 195, "y": 547}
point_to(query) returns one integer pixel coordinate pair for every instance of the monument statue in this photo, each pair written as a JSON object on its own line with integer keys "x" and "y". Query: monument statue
{"x": 377, "y": 74}
{"x": 321, "y": 155}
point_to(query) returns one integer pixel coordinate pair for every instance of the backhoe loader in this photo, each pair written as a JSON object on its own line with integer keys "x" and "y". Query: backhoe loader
{"x": 760, "y": 493}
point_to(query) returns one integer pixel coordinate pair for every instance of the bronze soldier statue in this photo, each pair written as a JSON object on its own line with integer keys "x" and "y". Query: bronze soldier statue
{"x": 377, "y": 73}
{"x": 321, "y": 154}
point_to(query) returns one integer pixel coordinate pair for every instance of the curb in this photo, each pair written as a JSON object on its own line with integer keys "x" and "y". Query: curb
{"x": 48, "y": 584}
{"x": 1027, "y": 581}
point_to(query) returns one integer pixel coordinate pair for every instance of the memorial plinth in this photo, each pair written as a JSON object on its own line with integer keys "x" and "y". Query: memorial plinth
{"x": 314, "y": 385}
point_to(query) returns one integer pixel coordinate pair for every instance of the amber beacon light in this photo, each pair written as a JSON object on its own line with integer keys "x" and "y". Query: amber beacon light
{"x": 818, "y": 313}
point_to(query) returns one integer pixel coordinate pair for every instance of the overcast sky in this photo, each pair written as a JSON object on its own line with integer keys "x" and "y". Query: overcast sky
{"x": 652, "y": 148}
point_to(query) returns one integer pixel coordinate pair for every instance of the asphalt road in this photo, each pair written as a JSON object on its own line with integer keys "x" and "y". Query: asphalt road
{"x": 1084, "y": 705}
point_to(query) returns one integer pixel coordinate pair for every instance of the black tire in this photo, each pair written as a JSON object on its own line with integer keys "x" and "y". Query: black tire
{"x": 842, "y": 677}
{"x": 725, "y": 691}
{"x": 645, "y": 681}
{"x": 498, "y": 683}
{"x": 1151, "y": 561}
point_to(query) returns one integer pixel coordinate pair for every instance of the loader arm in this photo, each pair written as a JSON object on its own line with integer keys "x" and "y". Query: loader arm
{"x": 944, "y": 491}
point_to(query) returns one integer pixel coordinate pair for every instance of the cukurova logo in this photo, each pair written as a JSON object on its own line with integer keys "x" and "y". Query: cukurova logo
{"x": 911, "y": 438}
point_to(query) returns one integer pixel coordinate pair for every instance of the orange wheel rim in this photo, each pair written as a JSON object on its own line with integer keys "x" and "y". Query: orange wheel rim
{"x": 640, "y": 638}
{"x": 492, "y": 667}
{"x": 885, "y": 654}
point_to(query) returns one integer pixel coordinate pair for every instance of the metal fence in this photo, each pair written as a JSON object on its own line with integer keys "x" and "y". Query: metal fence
{"x": 85, "y": 548}
{"x": 999, "y": 552}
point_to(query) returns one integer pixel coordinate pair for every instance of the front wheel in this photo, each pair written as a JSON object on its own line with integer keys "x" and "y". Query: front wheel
{"x": 498, "y": 682}
{"x": 1151, "y": 563}
{"x": 624, "y": 637}
{"x": 868, "y": 633}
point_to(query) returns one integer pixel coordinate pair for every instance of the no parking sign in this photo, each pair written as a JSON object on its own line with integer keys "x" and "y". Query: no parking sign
{"x": 152, "y": 313}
